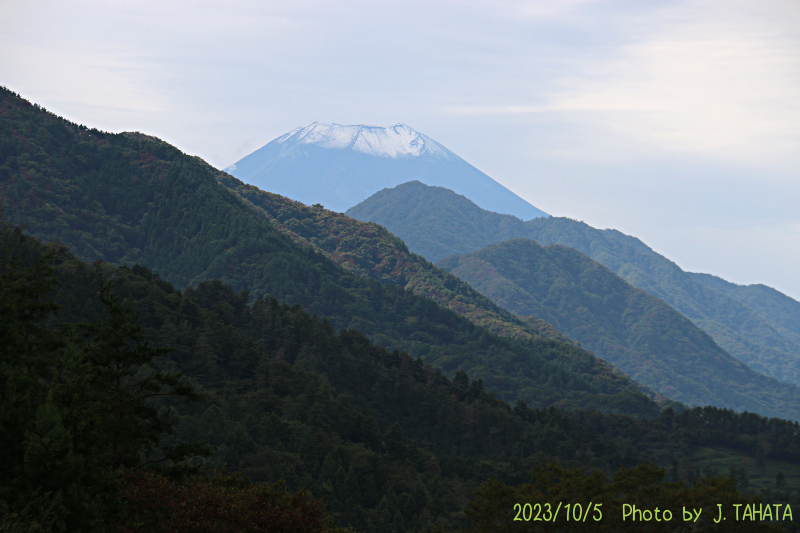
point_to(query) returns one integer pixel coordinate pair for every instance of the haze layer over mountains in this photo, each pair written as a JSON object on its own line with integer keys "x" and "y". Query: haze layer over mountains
{"x": 391, "y": 402}
{"x": 755, "y": 324}
{"x": 440, "y": 206}
{"x": 757, "y": 327}
{"x": 339, "y": 166}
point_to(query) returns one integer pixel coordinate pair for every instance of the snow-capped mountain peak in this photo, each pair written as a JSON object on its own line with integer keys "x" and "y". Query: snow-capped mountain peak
{"x": 340, "y": 166}
{"x": 395, "y": 141}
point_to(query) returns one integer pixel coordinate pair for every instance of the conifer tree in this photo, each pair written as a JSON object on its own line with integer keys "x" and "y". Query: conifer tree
{"x": 76, "y": 401}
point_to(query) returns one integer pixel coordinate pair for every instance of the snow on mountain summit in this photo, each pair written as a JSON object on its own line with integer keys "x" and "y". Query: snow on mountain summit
{"x": 339, "y": 166}
{"x": 395, "y": 141}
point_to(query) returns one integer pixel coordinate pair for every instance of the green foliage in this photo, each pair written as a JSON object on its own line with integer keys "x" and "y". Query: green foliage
{"x": 637, "y": 332}
{"x": 370, "y": 250}
{"x": 780, "y": 311}
{"x": 349, "y": 407}
{"x": 378, "y": 424}
{"x": 384, "y": 439}
{"x": 130, "y": 198}
{"x": 75, "y": 400}
{"x": 755, "y": 324}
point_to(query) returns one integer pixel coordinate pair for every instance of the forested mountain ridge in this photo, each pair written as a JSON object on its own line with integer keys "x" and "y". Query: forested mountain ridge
{"x": 339, "y": 165}
{"x": 435, "y": 222}
{"x": 370, "y": 250}
{"x": 131, "y": 198}
{"x": 86, "y": 405}
{"x": 637, "y": 332}
{"x": 386, "y": 441}
{"x": 782, "y": 311}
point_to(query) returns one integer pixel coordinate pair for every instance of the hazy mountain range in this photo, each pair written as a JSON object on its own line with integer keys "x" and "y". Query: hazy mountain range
{"x": 130, "y": 198}
{"x": 448, "y": 222}
{"x": 333, "y": 357}
{"x": 758, "y": 325}
{"x": 637, "y": 332}
{"x": 339, "y": 166}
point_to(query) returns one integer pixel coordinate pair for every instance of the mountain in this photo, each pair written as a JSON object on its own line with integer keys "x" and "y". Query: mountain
{"x": 386, "y": 441}
{"x": 638, "y": 333}
{"x": 367, "y": 249}
{"x": 339, "y": 166}
{"x": 756, "y": 325}
{"x": 781, "y": 311}
{"x": 129, "y": 198}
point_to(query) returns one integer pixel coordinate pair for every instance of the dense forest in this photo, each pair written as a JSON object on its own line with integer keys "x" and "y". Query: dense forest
{"x": 128, "y": 198}
{"x": 179, "y": 364}
{"x": 637, "y": 332}
{"x": 370, "y": 250}
{"x": 83, "y": 415}
{"x": 757, "y": 326}
{"x": 387, "y": 442}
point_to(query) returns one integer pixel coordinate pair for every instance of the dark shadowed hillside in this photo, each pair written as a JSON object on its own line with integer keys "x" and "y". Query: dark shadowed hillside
{"x": 385, "y": 440}
{"x": 131, "y": 198}
{"x": 368, "y": 249}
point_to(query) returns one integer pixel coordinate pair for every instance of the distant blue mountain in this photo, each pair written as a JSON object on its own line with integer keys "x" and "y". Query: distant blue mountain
{"x": 756, "y": 324}
{"x": 340, "y": 166}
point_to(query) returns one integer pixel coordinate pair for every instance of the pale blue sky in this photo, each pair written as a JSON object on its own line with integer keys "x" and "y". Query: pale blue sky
{"x": 674, "y": 121}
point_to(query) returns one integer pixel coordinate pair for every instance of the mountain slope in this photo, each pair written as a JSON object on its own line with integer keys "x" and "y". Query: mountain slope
{"x": 435, "y": 222}
{"x": 339, "y": 166}
{"x": 782, "y": 312}
{"x": 376, "y": 434}
{"x": 368, "y": 249}
{"x": 635, "y": 331}
{"x": 131, "y": 198}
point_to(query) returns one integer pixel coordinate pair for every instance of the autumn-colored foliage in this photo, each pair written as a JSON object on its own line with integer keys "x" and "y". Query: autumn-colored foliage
{"x": 220, "y": 504}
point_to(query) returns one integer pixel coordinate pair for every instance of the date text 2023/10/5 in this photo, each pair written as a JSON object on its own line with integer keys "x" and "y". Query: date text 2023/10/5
{"x": 576, "y": 512}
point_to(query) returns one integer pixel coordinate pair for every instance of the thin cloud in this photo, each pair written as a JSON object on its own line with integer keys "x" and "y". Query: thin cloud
{"x": 581, "y": 106}
{"x": 694, "y": 82}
